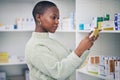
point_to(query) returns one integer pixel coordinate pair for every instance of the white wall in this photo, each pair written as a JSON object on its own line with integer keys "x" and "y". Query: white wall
{"x": 107, "y": 44}
{"x": 14, "y": 42}
{"x": 12, "y": 9}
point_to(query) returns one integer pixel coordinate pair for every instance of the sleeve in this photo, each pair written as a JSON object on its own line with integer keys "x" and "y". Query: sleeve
{"x": 48, "y": 64}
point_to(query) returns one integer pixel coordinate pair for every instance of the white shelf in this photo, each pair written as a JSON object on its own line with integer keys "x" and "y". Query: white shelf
{"x": 16, "y": 63}
{"x": 110, "y": 31}
{"x": 15, "y": 30}
{"x": 104, "y": 31}
{"x": 83, "y": 31}
{"x": 65, "y": 30}
{"x": 84, "y": 71}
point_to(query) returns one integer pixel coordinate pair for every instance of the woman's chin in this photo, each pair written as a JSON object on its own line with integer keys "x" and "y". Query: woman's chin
{"x": 53, "y": 31}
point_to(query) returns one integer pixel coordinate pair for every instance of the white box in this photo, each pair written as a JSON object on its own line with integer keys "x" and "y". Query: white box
{"x": 2, "y": 76}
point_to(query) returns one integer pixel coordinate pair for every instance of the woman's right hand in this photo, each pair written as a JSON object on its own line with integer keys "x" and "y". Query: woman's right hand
{"x": 85, "y": 44}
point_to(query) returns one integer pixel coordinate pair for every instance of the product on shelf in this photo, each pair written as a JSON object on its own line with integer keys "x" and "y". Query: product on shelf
{"x": 67, "y": 23}
{"x": 102, "y": 23}
{"x": 2, "y": 75}
{"x": 27, "y": 74}
{"x": 3, "y": 57}
{"x": 108, "y": 66}
{"x": 117, "y": 70}
{"x": 16, "y": 59}
{"x": 25, "y": 23}
{"x": 117, "y": 21}
{"x": 92, "y": 66}
{"x": 108, "y": 25}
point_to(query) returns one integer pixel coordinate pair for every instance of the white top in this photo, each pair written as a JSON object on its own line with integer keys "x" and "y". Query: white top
{"x": 48, "y": 59}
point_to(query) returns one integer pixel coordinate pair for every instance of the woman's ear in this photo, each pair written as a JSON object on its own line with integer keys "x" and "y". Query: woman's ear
{"x": 37, "y": 17}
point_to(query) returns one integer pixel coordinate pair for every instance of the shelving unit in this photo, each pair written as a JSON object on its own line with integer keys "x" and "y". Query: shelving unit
{"x": 83, "y": 71}
{"x": 84, "y": 9}
{"x": 13, "y": 41}
{"x": 108, "y": 43}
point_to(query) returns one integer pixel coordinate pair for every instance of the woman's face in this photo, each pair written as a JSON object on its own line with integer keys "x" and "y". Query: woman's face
{"x": 49, "y": 20}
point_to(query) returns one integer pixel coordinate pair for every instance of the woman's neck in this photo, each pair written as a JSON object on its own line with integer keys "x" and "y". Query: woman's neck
{"x": 39, "y": 29}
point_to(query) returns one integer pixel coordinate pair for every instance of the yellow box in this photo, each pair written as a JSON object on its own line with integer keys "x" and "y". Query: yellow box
{"x": 110, "y": 28}
{"x": 4, "y": 57}
{"x": 94, "y": 33}
{"x": 99, "y": 25}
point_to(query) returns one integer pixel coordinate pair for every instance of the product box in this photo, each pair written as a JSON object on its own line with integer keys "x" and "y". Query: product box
{"x": 101, "y": 69}
{"x": 109, "y": 67}
{"x": 94, "y": 33}
{"x": 117, "y": 21}
{"x": 25, "y": 23}
{"x": 93, "y": 64}
{"x": 3, "y": 57}
{"x": 26, "y": 74}
{"x": 2, "y": 76}
{"x": 67, "y": 24}
{"x": 117, "y": 70}
{"x": 108, "y": 25}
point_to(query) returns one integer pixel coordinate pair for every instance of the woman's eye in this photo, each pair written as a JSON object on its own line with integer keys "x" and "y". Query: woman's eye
{"x": 53, "y": 17}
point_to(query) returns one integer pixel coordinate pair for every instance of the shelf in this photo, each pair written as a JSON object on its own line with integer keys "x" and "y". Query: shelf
{"x": 16, "y": 30}
{"x": 82, "y": 31}
{"x": 110, "y": 32}
{"x": 104, "y": 31}
{"x": 6, "y": 64}
{"x": 65, "y": 30}
{"x": 84, "y": 71}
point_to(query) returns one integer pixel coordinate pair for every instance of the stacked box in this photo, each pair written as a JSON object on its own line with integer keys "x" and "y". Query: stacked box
{"x": 108, "y": 25}
{"x": 111, "y": 69}
{"x": 93, "y": 64}
{"x": 3, "y": 57}
{"x": 101, "y": 69}
{"x": 108, "y": 66}
{"x": 25, "y": 24}
{"x": 117, "y": 70}
{"x": 117, "y": 21}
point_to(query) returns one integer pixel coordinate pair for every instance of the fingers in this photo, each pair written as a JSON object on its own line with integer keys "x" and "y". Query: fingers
{"x": 94, "y": 38}
{"x": 89, "y": 34}
{"x": 91, "y": 42}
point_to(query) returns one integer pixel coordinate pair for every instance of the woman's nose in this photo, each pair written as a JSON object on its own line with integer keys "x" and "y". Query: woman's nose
{"x": 57, "y": 21}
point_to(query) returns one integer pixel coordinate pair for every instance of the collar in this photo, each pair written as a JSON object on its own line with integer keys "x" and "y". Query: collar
{"x": 40, "y": 34}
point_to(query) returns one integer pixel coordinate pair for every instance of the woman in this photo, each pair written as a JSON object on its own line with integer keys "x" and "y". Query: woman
{"x": 46, "y": 58}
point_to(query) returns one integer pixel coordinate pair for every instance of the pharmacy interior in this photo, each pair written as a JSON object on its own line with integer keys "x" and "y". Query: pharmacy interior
{"x": 77, "y": 19}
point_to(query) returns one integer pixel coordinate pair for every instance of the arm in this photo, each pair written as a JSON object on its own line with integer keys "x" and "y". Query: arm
{"x": 51, "y": 66}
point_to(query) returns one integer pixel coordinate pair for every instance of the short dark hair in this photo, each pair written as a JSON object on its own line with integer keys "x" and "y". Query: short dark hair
{"x": 40, "y": 7}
